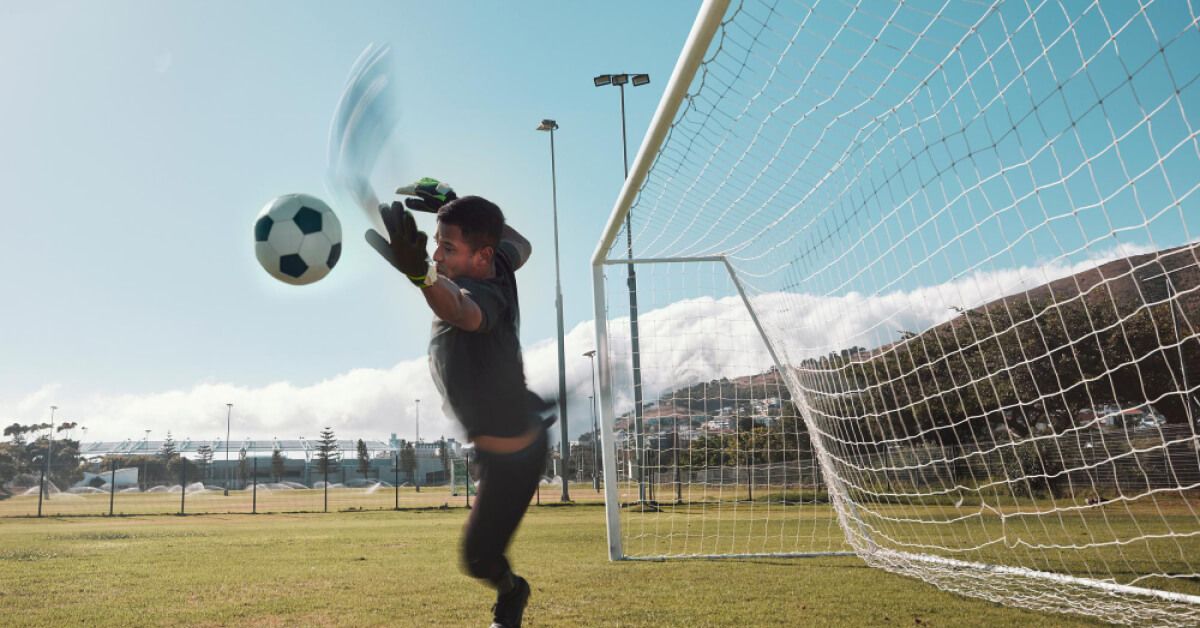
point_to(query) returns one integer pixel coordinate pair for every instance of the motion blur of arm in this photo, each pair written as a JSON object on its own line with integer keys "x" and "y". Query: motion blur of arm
{"x": 522, "y": 246}
{"x": 448, "y": 303}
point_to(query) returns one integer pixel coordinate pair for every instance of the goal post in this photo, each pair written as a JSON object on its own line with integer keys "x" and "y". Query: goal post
{"x": 707, "y": 21}
{"x": 917, "y": 281}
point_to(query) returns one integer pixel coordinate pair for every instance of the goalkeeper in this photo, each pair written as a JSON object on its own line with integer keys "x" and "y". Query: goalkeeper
{"x": 475, "y": 359}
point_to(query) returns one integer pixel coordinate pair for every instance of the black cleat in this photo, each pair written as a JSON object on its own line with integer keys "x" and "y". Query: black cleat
{"x": 511, "y": 606}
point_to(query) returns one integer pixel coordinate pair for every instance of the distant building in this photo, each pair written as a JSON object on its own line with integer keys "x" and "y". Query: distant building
{"x": 300, "y": 460}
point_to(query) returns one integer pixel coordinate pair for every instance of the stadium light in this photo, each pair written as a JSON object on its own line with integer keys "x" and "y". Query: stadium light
{"x": 591, "y": 355}
{"x": 603, "y": 79}
{"x": 551, "y": 125}
{"x": 145, "y": 460}
{"x": 619, "y": 80}
{"x": 46, "y": 472}
{"x": 228, "y": 417}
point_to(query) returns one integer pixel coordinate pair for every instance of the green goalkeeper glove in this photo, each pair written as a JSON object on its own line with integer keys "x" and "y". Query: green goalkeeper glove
{"x": 430, "y": 195}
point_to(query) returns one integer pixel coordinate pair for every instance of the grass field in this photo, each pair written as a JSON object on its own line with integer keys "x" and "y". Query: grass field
{"x": 400, "y": 569}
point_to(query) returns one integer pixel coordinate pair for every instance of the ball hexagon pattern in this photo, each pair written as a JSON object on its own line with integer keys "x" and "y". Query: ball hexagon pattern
{"x": 297, "y": 238}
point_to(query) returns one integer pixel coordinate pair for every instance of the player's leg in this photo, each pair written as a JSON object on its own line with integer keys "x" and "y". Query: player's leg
{"x": 506, "y": 485}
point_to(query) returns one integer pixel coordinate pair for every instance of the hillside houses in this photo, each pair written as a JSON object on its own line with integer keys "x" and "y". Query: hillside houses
{"x": 718, "y": 407}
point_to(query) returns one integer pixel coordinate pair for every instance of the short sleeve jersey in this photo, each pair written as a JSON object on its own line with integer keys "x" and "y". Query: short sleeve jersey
{"x": 480, "y": 374}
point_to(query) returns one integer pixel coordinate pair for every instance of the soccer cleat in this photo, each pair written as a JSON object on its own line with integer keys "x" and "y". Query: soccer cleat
{"x": 510, "y": 607}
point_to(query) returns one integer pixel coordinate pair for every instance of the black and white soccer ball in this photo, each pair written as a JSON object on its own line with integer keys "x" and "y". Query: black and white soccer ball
{"x": 297, "y": 238}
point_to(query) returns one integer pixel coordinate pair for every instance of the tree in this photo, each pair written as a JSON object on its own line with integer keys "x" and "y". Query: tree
{"x": 181, "y": 469}
{"x": 204, "y": 454}
{"x": 243, "y": 467}
{"x": 408, "y": 463}
{"x": 327, "y": 450}
{"x": 67, "y": 426}
{"x": 168, "y": 450}
{"x": 65, "y": 468}
{"x": 364, "y": 461}
{"x": 17, "y": 432}
{"x": 14, "y": 456}
{"x": 277, "y": 465}
{"x": 10, "y": 463}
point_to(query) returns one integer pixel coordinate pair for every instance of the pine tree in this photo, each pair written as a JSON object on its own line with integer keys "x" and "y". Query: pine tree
{"x": 168, "y": 450}
{"x": 327, "y": 450}
{"x": 204, "y": 454}
{"x": 67, "y": 426}
{"x": 17, "y": 432}
{"x": 277, "y": 465}
{"x": 243, "y": 467}
{"x": 364, "y": 461}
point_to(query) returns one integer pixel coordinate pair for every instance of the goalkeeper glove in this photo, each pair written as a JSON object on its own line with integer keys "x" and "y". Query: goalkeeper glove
{"x": 404, "y": 248}
{"x": 430, "y": 195}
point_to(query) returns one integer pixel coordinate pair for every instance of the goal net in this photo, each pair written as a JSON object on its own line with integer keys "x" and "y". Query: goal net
{"x": 918, "y": 281}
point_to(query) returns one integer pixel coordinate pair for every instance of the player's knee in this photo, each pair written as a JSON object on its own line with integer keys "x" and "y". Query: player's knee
{"x": 479, "y": 567}
{"x": 481, "y": 564}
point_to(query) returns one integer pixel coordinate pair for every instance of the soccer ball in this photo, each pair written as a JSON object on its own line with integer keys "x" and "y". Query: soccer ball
{"x": 297, "y": 238}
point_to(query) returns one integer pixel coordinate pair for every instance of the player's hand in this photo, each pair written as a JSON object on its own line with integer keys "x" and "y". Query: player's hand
{"x": 404, "y": 248}
{"x": 430, "y": 194}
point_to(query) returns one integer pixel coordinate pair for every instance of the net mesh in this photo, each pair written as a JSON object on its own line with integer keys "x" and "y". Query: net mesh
{"x": 968, "y": 235}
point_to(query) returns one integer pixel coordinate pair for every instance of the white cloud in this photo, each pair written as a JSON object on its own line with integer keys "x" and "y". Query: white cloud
{"x": 683, "y": 343}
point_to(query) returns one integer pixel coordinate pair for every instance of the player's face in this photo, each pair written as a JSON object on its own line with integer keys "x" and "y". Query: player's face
{"x": 455, "y": 257}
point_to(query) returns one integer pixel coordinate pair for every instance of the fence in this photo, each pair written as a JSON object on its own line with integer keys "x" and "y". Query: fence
{"x": 117, "y": 489}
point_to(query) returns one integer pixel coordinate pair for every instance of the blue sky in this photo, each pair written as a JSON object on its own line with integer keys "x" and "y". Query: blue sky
{"x": 142, "y": 138}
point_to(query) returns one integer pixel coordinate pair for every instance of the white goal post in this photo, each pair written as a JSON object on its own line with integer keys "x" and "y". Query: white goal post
{"x": 917, "y": 281}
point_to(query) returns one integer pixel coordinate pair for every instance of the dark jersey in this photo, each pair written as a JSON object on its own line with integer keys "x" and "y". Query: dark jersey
{"x": 480, "y": 374}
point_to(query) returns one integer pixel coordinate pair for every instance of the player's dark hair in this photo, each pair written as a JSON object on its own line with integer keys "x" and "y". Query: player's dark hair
{"x": 480, "y": 220}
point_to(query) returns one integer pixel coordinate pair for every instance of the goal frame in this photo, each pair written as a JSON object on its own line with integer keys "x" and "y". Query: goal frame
{"x": 707, "y": 22}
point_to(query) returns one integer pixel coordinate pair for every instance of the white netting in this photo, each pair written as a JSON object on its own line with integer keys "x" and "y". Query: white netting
{"x": 726, "y": 465}
{"x": 969, "y": 234}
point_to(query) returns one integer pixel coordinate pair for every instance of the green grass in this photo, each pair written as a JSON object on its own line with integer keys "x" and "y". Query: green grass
{"x": 400, "y": 569}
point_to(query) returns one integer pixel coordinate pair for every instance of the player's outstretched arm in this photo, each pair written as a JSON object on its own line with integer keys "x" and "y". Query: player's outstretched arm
{"x": 448, "y": 303}
{"x": 518, "y": 243}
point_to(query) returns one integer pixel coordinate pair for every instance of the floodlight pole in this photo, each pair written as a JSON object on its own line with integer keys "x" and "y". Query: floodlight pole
{"x": 591, "y": 355}
{"x": 619, "y": 80}
{"x": 228, "y": 418}
{"x": 418, "y": 437}
{"x": 46, "y": 472}
{"x": 551, "y": 126}
{"x": 50, "y": 447}
{"x": 145, "y": 462}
